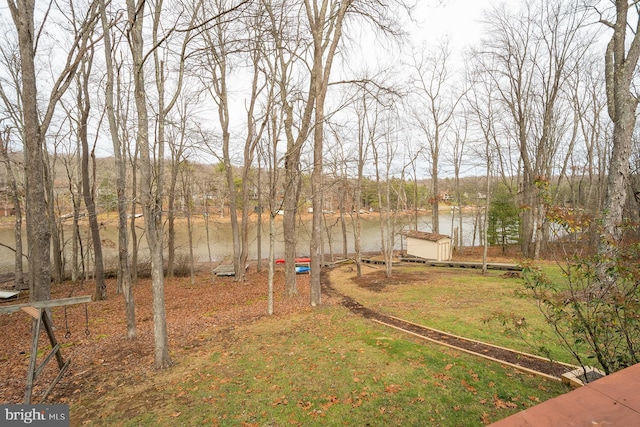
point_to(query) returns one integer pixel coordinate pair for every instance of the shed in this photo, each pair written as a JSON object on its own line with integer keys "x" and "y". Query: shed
{"x": 425, "y": 245}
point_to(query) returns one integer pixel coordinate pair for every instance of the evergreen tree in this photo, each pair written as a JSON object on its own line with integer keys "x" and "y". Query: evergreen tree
{"x": 504, "y": 218}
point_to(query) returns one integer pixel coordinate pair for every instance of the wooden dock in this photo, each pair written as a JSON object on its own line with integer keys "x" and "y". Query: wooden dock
{"x": 378, "y": 261}
{"x": 463, "y": 264}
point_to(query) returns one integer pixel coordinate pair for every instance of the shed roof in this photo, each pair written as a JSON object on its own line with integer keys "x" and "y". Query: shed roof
{"x": 432, "y": 237}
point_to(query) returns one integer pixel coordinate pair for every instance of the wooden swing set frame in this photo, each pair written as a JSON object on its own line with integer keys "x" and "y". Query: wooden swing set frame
{"x": 38, "y": 310}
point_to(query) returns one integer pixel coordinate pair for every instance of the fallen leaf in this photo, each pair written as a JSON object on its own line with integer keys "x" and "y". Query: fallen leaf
{"x": 468, "y": 387}
{"x": 442, "y": 377}
{"x": 392, "y": 388}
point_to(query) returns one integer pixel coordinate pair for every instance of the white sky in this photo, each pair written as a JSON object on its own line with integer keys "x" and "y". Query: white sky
{"x": 456, "y": 19}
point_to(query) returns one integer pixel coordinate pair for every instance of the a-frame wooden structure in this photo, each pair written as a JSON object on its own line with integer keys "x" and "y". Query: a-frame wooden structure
{"x": 38, "y": 310}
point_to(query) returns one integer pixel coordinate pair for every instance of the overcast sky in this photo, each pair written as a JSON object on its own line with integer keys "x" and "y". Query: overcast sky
{"x": 456, "y": 19}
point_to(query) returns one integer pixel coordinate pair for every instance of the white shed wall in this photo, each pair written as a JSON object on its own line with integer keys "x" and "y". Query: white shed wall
{"x": 439, "y": 251}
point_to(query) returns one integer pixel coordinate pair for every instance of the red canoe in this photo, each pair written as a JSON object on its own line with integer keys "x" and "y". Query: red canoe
{"x": 281, "y": 260}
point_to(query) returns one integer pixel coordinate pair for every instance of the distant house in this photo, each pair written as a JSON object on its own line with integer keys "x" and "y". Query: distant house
{"x": 425, "y": 245}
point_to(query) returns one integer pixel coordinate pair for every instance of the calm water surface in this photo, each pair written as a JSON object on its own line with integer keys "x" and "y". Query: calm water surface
{"x": 221, "y": 243}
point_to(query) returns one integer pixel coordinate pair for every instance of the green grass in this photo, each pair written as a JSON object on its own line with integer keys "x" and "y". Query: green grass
{"x": 487, "y": 307}
{"x": 327, "y": 367}
{"x": 330, "y": 367}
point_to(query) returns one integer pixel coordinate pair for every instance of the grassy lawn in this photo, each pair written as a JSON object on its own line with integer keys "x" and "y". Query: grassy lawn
{"x": 326, "y": 367}
{"x": 490, "y": 307}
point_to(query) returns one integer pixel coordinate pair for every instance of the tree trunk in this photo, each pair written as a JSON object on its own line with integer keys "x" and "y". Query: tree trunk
{"x": 343, "y": 222}
{"x": 39, "y": 203}
{"x": 124, "y": 271}
{"x": 186, "y": 191}
{"x": 18, "y": 278}
{"x": 57, "y": 263}
{"x": 435, "y": 204}
{"x": 151, "y": 197}
{"x": 134, "y": 212}
{"x": 259, "y": 229}
{"x": 272, "y": 262}
{"x": 250, "y": 143}
{"x": 620, "y": 68}
{"x": 37, "y": 213}
{"x": 317, "y": 203}
{"x": 290, "y": 206}
{"x": 75, "y": 188}
{"x": 84, "y": 108}
{"x": 171, "y": 215}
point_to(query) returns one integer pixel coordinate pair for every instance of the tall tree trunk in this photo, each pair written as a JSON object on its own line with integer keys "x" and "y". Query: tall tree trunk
{"x": 272, "y": 169}
{"x": 326, "y": 24}
{"x": 151, "y": 197}
{"x": 250, "y": 143}
{"x": 272, "y": 261}
{"x": 84, "y": 108}
{"x": 37, "y": 213}
{"x": 171, "y": 219}
{"x": 57, "y": 264}
{"x": 435, "y": 203}
{"x": 343, "y": 222}
{"x": 620, "y": 69}
{"x": 485, "y": 219}
{"x": 75, "y": 188}
{"x": 124, "y": 271}
{"x": 259, "y": 229}
{"x": 357, "y": 202}
{"x": 317, "y": 178}
{"x": 186, "y": 192}
{"x": 132, "y": 223}
{"x": 38, "y": 201}
{"x": 290, "y": 206}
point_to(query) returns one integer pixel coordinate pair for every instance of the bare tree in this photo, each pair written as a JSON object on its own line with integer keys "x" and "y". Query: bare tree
{"x": 326, "y": 21}
{"x": 287, "y": 47}
{"x": 460, "y": 132}
{"x": 12, "y": 122}
{"x": 256, "y": 120}
{"x": 433, "y": 106}
{"x": 167, "y": 100}
{"x": 341, "y": 188}
{"x": 222, "y": 44}
{"x": 88, "y": 187}
{"x": 269, "y": 151}
{"x": 531, "y": 55}
{"x": 483, "y": 115}
{"x": 35, "y": 128}
{"x": 621, "y": 62}
{"x": 151, "y": 188}
{"x": 124, "y": 271}
{"x": 384, "y": 150}
{"x": 186, "y": 174}
{"x": 363, "y": 146}
{"x": 587, "y": 173}
{"x": 5, "y": 141}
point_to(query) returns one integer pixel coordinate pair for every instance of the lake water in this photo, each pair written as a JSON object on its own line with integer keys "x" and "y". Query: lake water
{"x": 222, "y": 244}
